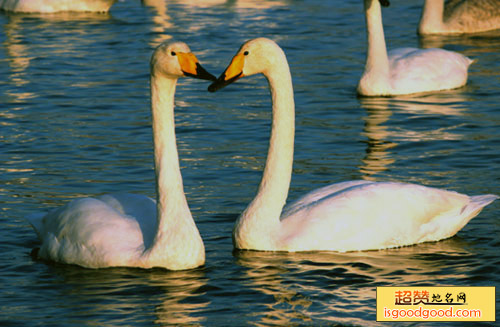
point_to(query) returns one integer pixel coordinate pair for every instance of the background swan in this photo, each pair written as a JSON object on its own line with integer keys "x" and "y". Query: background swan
{"x": 347, "y": 216}
{"x": 127, "y": 229}
{"x": 52, "y": 6}
{"x": 406, "y": 70}
{"x": 459, "y": 16}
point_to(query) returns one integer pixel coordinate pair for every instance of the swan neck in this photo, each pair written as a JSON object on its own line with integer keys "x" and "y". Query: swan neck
{"x": 431, "y": 19}
{"x": 171, "y": 201}
{"x": 278, "y": 169}
{"x": 263, "y": 214}
{"x": 377, "y": 58}
{"x": 177, "y": 243}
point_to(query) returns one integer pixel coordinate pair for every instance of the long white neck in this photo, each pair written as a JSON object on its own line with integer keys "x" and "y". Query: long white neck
{"x": 169, "y": 186}
{"x": 263, "y": 214}
{"x": 177, "y": 243}
{"x": 432, "y": 17}
{"x": 377, "y": 61}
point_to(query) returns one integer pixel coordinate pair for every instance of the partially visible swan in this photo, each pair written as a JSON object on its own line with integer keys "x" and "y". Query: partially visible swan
{"x": 127, "y": 229}
{"x": 347, "y": 216}
{"x": 406, "y": 70}
{"x": 459, "y": 16}
{"x": 53, "y": 6}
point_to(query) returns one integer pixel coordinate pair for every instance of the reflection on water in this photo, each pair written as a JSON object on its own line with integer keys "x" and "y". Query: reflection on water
{"x": 161, "y": 20}
{"x": 180, "y": 303}
{"x": 485, "y": 40}
{"x": 242, "y": 4}
{"x": 383, "y": 135}
{"x": 20, "y": 53}
{"x": 377, "y": 158}
{"x": 294, "y": 283}
{"x": 173, "y": 298}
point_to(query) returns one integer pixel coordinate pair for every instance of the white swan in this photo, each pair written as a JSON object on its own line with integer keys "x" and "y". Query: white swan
{"x": 406, "y": 70}
{"x": 459, "y": 16}
{"x": 132, "y": 230}
{"x": 53, "y": 6}
{"x": 347, "y": 216}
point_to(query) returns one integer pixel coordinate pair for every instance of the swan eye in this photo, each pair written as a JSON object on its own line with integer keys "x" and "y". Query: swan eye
{"x": 173, "y": 53}
{"x": 245, "y": 53}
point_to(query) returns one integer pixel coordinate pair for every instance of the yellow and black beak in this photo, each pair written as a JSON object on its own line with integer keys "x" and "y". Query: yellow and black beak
{"x": 232, "y": 73}
{"x": 192, "y": 68}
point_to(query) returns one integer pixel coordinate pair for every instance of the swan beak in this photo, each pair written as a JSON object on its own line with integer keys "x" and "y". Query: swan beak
{"x": 232, "y": 73}
{"x": 192, "y": 68}
{"x": 385, "y": 3}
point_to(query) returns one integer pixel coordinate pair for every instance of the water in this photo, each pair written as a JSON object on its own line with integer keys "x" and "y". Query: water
{"x": 75, "y": 121}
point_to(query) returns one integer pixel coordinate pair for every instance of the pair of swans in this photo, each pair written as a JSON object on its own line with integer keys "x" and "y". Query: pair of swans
{"x": 54, "y": 6}
{"x": 135, "y": 231}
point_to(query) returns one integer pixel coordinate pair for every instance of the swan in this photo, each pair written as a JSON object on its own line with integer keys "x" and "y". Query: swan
{"x": 132, "y": 230}
{"x": 406, "y": 70}
{"x": 459, "y": 16}
{"x": 53, "y": 6}
{"x": 346, "y": 216}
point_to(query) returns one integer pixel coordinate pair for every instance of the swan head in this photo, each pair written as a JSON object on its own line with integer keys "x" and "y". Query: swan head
{"x": 255, "y": 56}
{"x": 175, "y": 59}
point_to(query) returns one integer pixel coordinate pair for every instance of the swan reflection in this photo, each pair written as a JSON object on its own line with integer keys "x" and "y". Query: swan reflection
{"x": 382, "y": 136}
{"x": 242, "y": 4}
{"x": 157, "y": 297}
{"x": 304, "y": 287}
{"x": 161, "y": 19}
{"x": 485, "y": 40}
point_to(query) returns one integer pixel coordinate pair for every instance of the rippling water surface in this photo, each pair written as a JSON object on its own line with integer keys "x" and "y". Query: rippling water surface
{"x": 75, "y": 121}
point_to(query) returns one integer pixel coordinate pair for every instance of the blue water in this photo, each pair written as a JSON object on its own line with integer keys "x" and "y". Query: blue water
{"x": 75, "y": 121}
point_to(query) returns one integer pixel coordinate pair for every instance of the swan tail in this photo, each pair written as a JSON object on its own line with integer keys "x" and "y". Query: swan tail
{"x": 471, "y": 210}
{"x": 478, "y": 202}
{"x": 449, "y": 224}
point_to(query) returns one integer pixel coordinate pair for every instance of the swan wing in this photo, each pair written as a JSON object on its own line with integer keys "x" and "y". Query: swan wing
{"x": 423, "y": 70}
{"x": 91, "y": 233}
{"x": 379, "y": 215}
{"x": 318, "y": 195}
{"x": 396, "y": 54}
{"x": 140, "y": 207}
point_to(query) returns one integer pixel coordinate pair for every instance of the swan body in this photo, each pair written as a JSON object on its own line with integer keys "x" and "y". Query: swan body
{"x": 347, "y": 216}
{"x": 406, "y": 70}
{"x": 127, "y": 229}
{"x": 53, "y": 6}
{"x": 459, "y": 16}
